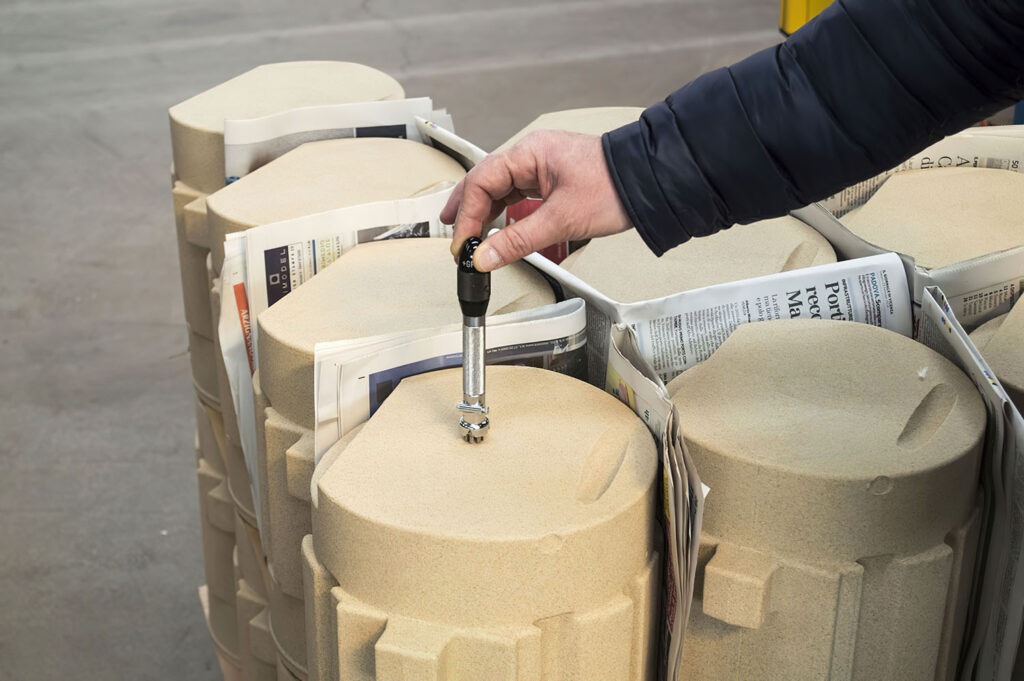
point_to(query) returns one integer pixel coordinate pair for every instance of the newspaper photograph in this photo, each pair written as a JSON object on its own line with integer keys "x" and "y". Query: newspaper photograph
{"x": 352, "y": 378}
{"x": 678, "y": 331}
{"x": 995, "y": 618}
{"x": 253, "y": 142}
{"x": 632, "y": 380}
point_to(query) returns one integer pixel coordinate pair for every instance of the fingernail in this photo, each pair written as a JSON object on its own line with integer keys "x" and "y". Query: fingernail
{"x": 486, "y": 258}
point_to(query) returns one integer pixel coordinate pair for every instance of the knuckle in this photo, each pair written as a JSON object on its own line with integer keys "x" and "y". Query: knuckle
{"x": 518, "y": 243}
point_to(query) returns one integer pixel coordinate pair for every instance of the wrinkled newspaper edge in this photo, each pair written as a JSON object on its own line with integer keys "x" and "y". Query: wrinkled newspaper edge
{"x": 630, "y": 378}
{"x": 678, "y": 331}
{"x": 995, "y": 615}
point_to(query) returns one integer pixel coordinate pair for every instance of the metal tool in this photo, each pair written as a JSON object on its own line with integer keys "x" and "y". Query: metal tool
{"x": 474, "y": 290}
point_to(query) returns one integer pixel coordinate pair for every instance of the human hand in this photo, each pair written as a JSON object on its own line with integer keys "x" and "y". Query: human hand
{"x": 566, "y": 169}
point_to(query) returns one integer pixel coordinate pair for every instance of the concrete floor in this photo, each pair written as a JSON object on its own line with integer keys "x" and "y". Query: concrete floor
{"x": 99, "y": 540}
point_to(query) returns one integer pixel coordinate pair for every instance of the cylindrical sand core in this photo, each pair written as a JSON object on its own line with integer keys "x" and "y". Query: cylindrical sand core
{"x": 529, "y": 556}
{"x": 349, "y": 300}
{"x": 622, "y": 267}
{"x": 944, "y": 215}
{"x": 325, "y": 175}
{"x": 840, "y": 529}
{"x": 341, "y": 303}
{"x": 197, "y": 124}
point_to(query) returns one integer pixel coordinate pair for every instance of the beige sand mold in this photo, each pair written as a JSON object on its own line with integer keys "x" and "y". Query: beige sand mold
{"x": 623, "y": 268}
{"x": 840, "y": 532}
{"x": 197, "y": 124}
{"x": 422, "y": 269}
{"x": 251, "y": 628}
{"x": 533, "y": 550}
{"x": 203, "y": 358}
{"x": 322, "y": 176}
{"x": 217, "y": 532}
{"x": 390, "y": 286}
{"x": 192, "y": 262}
{"x": 944, "y": 216}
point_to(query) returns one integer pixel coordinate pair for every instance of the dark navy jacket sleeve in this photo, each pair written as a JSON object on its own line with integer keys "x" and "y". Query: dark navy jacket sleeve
{"x": 854, "y": 92}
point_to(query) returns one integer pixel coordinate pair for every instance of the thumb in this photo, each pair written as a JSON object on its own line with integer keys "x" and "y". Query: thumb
{"x": 534, "y": 232}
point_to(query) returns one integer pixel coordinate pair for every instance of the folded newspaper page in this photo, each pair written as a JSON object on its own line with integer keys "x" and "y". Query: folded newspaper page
{"x": 252, "y": 142}
{"x": 632, "y": 380}
{"x": 352, "y": 378}
{"x": 235, "y": 329}
{"x": 678, "y": 331}
{"x": 977, "y": 289}
{"x": 995, "y": 616}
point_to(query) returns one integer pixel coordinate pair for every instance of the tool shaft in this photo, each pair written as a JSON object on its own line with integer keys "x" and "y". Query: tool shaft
{"x": 474, "y": 335}
{"x": 474, "y": 292}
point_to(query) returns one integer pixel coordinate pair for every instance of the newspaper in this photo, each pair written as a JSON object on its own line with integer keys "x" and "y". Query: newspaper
{"x": 977, "y": 289}
{"x": 235, "y": 330}
{"x": 676, "y": 332}
{"x": 632, "y": 380}
{"x": 996, "y": 612}
{"x": 281, "y": 256}
{"x": 353, "y": 377}
{"x": 253, "y": 142}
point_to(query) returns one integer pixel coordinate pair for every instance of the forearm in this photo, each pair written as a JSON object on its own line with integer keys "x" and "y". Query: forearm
{"x": 857, "y": 90}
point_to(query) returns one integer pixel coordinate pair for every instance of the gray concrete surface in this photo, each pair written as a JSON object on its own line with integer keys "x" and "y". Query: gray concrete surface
{"x": 99, "y": 541}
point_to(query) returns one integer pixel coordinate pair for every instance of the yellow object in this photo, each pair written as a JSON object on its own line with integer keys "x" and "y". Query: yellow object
{"x": 795, "y": 13}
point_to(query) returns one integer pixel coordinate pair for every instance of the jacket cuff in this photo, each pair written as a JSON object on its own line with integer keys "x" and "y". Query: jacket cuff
{"x": 624, "y": 152}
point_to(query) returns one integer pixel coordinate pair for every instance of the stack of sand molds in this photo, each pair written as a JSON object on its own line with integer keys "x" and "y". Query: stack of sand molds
{"x": 840, "y": 532}
{"x": 315, "y": 177}
{"x": 529, "y": 556}
{"x": 198, "y": 171}
{"x": 376, "y": 288}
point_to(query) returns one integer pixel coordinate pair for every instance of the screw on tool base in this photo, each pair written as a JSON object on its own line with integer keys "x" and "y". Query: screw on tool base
{"x": 474, "y": 431}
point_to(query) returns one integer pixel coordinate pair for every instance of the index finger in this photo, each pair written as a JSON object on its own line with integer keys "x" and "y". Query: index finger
{"x": 482, "y": 198}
